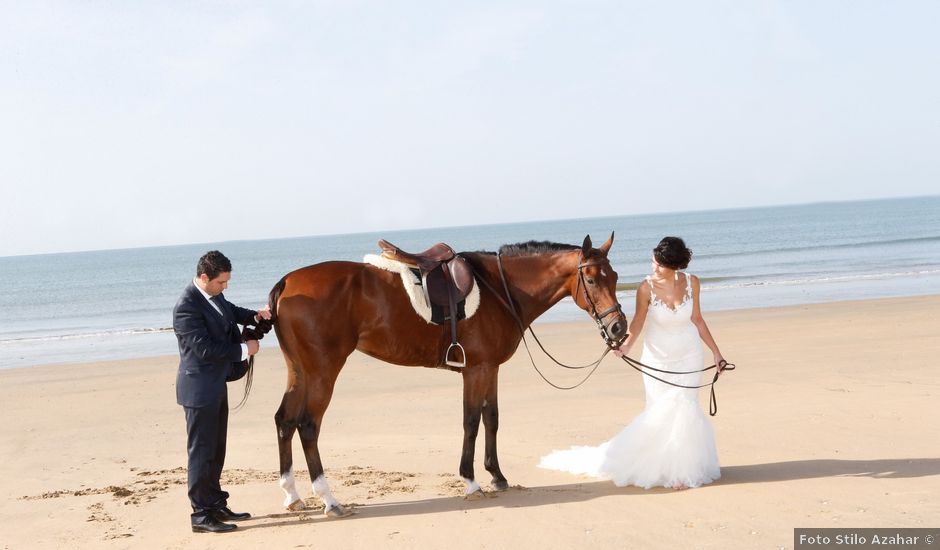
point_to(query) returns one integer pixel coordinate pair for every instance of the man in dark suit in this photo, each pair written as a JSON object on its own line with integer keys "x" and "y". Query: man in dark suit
{"x": 211, "y": 353}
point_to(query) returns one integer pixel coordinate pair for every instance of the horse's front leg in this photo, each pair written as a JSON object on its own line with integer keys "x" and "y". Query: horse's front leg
{"x": 471, "y": 425}
{"x": 475, "y": 384}
{"x": 491, "y": 425}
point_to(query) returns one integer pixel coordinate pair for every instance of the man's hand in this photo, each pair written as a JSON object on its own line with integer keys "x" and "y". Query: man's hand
{"x": 263, "y": 313}
{"x": 253, "y": 346}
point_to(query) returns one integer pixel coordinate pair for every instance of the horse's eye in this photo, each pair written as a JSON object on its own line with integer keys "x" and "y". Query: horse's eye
{"x": 590, "y": 281}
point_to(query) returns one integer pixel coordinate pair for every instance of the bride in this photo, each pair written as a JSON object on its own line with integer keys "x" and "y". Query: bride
{"x": 671, "y": 443}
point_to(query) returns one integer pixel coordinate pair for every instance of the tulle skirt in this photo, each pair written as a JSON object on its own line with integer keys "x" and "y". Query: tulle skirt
{"x": 670, "y": 444}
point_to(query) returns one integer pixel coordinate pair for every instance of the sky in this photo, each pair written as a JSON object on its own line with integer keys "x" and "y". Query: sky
{"x": 130, "y": 124}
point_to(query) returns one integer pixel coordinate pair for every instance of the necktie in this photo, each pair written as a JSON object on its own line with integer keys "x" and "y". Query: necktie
{"x": 217, "y": 300}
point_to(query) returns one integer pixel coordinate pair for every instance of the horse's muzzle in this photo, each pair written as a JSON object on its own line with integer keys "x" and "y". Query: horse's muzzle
{"x": 615, "y": 330}
{"x": 618, "y": 329}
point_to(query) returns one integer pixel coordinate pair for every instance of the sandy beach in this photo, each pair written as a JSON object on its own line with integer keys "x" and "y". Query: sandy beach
{"x": 829, "y": 421}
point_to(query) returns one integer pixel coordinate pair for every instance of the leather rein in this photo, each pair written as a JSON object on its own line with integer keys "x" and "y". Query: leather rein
{"x": 712, "y": 401}
{"x": 250, "y": 332}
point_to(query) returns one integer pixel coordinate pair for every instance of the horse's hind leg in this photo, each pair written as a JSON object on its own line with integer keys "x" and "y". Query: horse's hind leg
{"x": 476, "y": 381}
{"x": 309, "y": 430}
{"x": 285, "y": 421}
{"x": 491, "y": 425}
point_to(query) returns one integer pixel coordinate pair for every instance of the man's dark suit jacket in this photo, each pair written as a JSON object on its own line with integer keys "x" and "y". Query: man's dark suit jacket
{"x": 210, "y": 347}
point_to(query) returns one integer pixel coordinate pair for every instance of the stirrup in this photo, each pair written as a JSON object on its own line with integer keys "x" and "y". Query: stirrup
{"x": 458, "y": 364}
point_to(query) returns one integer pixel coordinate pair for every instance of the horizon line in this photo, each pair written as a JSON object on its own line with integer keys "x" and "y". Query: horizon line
{"x": 638, "y": 215}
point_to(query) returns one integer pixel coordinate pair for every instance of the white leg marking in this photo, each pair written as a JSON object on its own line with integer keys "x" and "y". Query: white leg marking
{"x": 322, "y": 489}
{"x": 472, "y": 487}
{"x": 289, "y": 487}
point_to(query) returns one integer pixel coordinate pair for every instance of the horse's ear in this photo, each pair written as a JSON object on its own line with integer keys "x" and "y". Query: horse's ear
{"x": 606, "y": 246}
{"x": 586, "y": 246}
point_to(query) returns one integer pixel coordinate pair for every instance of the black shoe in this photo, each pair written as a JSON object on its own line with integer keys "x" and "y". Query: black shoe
{"x": 224, "y": 514}
{"x": 212, "y": 525}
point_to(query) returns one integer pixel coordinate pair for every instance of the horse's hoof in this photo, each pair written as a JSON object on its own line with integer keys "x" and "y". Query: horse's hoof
{"x": 338, "y": 512}
{"x": 476, "y": 495}
{"x": 297, "y": 505}
{"x": 501, "y": 485}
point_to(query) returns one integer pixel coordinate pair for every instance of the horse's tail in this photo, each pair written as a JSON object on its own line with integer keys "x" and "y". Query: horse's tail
{"x": 274, "y": 296}
{"x": 257, "y": 333}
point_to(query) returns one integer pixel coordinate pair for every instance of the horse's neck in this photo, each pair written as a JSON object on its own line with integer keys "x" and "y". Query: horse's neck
{"x": 538, "y": 282}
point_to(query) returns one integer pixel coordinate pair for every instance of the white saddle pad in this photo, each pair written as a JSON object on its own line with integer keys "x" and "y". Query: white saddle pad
{"x": 412, "y": 285}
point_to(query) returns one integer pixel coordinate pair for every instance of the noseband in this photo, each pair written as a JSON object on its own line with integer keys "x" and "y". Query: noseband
{"x": 598, "y": 317}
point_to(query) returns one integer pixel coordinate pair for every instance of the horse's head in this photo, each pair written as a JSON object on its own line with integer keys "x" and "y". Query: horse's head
{"x": 595, "y": 291}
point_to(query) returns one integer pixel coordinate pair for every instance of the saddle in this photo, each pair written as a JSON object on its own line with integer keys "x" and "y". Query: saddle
{"x": 446, "y": 279}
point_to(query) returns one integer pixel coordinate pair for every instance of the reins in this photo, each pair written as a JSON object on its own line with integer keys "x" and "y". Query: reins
{"x": 252, "y": 333}
{"x": 511, "y": 307}
{"x": 713, "y": 400}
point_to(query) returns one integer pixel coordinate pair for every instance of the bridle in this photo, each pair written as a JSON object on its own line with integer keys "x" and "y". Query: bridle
{"x": 598, "y": 317}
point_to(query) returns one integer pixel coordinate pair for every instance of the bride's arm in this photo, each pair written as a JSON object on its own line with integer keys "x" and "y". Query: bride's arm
{"x": 639, "y": 317}
{"x": 700, "y": 324}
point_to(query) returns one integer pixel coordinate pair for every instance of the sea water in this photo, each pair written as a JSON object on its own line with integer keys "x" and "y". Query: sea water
{"x": 116, "y": 304}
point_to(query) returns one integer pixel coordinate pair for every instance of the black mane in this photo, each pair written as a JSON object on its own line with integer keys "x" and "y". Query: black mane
{"x": 529, "y": 248}
{"x": 535, "y": 247}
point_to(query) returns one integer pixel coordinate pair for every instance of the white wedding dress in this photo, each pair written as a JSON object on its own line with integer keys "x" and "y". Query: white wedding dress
{"x": 671, "y": 443}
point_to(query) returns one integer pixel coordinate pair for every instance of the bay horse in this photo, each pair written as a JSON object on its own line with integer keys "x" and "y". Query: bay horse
{"x": 323, "y": 312}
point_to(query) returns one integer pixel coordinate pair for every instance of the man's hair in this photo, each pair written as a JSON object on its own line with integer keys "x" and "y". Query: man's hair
{"x": 213, "y": 263}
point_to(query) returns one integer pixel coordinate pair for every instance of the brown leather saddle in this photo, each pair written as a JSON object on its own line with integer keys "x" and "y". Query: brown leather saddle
{"x": 446, "y": 280}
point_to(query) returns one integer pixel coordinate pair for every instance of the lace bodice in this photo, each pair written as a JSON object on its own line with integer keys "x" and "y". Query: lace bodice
{"x": 670, "y": 334}
{"x": 686, "y": 299}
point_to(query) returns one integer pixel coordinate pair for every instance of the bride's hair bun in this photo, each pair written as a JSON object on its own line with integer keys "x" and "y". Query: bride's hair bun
{"x": 671, "y": 252}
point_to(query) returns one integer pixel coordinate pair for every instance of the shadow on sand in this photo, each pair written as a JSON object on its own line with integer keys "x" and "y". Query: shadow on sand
{"x": 809, "y": 469}
{"x": 528, "y": 497}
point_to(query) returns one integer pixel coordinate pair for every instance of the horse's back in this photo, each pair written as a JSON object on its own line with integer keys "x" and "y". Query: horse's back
{"x": 320, "y": 280}
{"x": 314, "y": 308}
{"x": 344, "y": 290}
{"x": 339, "y": 306}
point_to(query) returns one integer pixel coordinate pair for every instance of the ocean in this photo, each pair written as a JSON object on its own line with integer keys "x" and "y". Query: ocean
{"x": 117, "y": 304}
